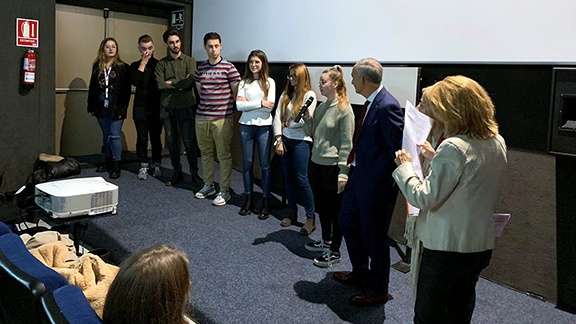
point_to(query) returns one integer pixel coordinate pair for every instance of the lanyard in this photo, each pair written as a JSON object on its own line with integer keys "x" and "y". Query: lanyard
{"x": 107, "y": 79}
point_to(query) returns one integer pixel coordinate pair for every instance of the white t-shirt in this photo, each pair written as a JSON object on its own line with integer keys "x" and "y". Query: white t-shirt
{"x": 293, "y": 130}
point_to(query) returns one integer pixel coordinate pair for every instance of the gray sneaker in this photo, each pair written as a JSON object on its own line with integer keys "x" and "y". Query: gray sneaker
{"x": 206, "y": 191}
{"x": 157, "y": 172}
{"x": 222, "y": 198}
{"x": 143, "y": 172}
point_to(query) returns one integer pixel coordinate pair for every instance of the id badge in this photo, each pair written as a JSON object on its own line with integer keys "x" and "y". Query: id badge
{"x": 106, "y": 102}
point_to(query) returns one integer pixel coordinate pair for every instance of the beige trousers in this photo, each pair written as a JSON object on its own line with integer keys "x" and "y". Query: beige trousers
{"x": 215, "y": 136}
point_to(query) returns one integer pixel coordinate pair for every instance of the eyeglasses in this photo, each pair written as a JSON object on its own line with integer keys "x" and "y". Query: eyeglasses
{"x": 291, "y": 77}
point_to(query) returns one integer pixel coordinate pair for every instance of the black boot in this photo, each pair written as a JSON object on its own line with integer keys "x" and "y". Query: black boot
{"x": 106, "y": 166}
{"x": 196, "y": 180}
{"x": 177, "y": 176}
{"x": 265, "y": 212}
{"x": 115, "y": 173}
{"x": 246, "y": 207}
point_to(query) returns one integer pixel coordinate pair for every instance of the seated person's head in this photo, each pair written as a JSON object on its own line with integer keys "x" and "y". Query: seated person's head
{"x": 152, "y": 286}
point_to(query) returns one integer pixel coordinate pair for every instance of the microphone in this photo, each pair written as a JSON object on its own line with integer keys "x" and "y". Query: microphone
{"x": 303, "y": 109}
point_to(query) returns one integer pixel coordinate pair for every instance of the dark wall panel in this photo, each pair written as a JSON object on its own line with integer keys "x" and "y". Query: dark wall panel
{"x": 566, "y": 226}
{"x": 521, "y": 94}
{"x": 27, "y": 117}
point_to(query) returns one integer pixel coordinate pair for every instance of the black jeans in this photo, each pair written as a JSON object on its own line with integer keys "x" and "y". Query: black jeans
{"x": 180, "y": 122}
{"x": 446, "y": 289}
{"x": 148, "y": 125}
{"x": 324, "y": 181}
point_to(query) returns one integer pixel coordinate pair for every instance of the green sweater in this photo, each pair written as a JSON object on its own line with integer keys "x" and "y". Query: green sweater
{"x": 331, "y": 129}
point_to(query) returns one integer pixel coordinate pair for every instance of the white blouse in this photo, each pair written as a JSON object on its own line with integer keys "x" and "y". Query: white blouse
{"x": 252, "y": 111}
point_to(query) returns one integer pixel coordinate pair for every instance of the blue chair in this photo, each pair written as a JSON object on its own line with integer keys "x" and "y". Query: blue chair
{"x": 23, "y": 279}
{"x": 4, "y": 229}
{"x": 15, "y": 256}
{"x": 68, "y": 305}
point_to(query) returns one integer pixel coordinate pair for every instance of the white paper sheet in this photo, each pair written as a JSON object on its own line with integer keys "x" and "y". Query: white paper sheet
{"x": 417, "y": 127}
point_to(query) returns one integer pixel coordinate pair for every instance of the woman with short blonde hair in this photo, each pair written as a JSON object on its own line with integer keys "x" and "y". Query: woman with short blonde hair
{"x": 456, "y": 199}
{"x": 462, "y": 106}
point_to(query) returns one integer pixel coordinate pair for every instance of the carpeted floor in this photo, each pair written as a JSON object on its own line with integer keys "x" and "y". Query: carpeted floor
{"x": 245, "y": 270}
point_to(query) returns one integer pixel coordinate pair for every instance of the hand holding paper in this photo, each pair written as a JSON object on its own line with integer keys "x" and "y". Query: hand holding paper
{"x": 427, "y": 150}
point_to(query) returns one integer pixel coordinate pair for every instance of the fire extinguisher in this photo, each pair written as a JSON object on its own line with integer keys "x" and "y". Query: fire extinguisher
{"x": 29, "y": 69}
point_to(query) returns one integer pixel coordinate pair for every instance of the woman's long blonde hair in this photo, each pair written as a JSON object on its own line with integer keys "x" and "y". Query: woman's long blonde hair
{"x": 101, "y": 58}
{"x": 461, "y": 106}
{"x": 297, "y": 93}
{"x": 337, "y": 76}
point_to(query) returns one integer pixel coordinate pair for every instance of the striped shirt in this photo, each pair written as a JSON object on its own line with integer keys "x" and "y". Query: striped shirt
{"x": 216, "y": 100}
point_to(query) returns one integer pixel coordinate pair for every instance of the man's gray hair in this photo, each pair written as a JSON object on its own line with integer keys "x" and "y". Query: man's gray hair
{"x": 370, "y": 69}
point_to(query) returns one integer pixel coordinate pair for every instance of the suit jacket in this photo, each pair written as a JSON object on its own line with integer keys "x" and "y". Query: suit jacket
{"x": 458, "y": 196}
{"x": 380, "y": 137}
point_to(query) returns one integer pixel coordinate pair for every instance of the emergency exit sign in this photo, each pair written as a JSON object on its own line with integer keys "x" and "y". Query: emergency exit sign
{"x": 26, "y": 32}
{"x": 177, "y": 19}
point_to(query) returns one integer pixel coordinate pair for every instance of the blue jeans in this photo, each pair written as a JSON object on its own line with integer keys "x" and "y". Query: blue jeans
{"x": 261, "y": 136}
{"x": 295, "y": 168}
{"x": 111, "y": 130}
{"x": 180, "y": 122}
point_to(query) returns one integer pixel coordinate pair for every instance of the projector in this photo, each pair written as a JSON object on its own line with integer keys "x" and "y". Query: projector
{"x": 77, "y": 197}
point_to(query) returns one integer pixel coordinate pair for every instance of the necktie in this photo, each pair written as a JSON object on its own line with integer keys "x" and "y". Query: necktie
{"x": 357, "y": 131}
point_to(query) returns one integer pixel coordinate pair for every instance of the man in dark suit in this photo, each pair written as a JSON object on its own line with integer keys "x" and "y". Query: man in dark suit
{"x": 370, "y": 194}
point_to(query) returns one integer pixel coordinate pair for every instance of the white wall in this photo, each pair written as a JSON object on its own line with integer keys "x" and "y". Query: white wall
{"x": 402, "y": 82}
{"x": 409, "y": 31}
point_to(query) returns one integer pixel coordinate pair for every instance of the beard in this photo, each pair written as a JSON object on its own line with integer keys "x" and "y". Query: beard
{"x": 175, "y": 50}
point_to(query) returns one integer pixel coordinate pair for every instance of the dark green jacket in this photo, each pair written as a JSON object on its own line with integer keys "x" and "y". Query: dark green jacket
{"x": 180, "y": 71}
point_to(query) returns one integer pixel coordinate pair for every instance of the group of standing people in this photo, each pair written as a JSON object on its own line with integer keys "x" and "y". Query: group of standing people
{"x": 341, "y": 169}
{"x": 165, "y": 97}
{"x": 346, "y": 168}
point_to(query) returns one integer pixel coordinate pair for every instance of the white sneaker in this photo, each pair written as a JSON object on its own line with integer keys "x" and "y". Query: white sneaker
{"x": 206, "y": 191}
{"x": 143, "y": 172}
{"x": 221, "y": 199}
